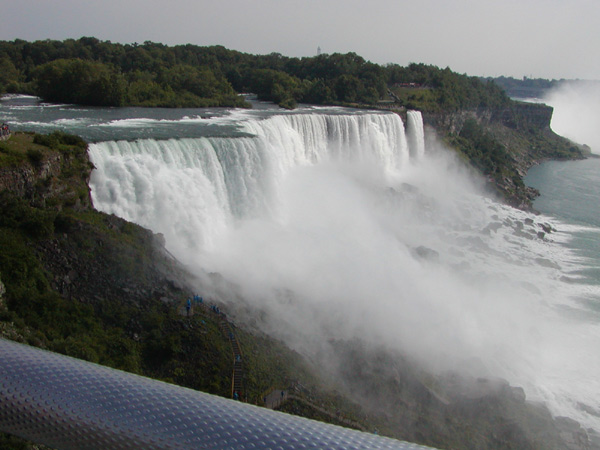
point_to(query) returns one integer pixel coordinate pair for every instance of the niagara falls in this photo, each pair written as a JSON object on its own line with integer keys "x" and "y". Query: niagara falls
{"x": 345, "y": 224}
{"x": 316, "y": 226}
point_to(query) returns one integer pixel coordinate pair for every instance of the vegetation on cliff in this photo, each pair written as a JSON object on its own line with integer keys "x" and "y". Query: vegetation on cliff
{"x": 503, "y": 143}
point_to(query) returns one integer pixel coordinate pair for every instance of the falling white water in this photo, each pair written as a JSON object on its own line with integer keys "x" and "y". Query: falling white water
{"x": 192, "y": 189}
{"x": 415, "y": 134}
{"x": 320, "y": 221}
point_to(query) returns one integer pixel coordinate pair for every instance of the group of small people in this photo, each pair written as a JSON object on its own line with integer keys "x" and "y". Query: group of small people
{"x": 188, "y": 305}
{"x": 4, "y": 130}
{"x": 196, "y": 300}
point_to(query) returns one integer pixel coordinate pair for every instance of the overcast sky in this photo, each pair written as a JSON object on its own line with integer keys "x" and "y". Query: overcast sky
{"x": 537, "y": 38}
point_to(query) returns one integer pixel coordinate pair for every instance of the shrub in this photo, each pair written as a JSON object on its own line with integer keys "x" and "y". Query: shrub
{"x": 58, "y": 139}
{"x": 35, "y": 156}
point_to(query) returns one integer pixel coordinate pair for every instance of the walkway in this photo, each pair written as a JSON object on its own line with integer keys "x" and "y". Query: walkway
{"x": 238, "y": 376}
{"x": 277, "y": 397}
{"x": 237, "y": 379}
{"x": 274, "y": 399}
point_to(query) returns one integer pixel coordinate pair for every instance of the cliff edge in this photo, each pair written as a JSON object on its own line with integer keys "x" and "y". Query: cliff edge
{"x": 504, "y": 143}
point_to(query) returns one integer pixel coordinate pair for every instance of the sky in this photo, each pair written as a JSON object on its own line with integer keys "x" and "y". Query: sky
{"x": 533, "y": 38}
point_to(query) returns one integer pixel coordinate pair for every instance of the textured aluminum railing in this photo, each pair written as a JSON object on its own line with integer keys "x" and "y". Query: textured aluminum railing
{"x": 66, "y": 403}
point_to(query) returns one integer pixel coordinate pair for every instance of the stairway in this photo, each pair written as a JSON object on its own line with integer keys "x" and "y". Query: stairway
{"x": 237, "y": 380}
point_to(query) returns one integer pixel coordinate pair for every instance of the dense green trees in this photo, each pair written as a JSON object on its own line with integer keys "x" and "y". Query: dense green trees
{"x": 275, "y": 86}
{"x": 79, "y": 81}
{"x": 9, "y": 75}
{"x": 99, "y": 84}
{"x": 97, "y": 72}
{"x": 180, "y": 86}
{"x": 93, "y": 72}
{"x": 484, "y": 151}
{"x": 435, "y": 89}
{"x": 525, "y": 87}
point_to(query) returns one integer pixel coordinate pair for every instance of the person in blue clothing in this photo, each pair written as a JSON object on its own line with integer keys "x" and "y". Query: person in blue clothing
{"x": 188, "y": 306}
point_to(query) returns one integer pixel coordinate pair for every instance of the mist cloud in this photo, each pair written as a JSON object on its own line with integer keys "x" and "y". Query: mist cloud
{"x": 576, "y": 113}
{"x": 325, "y": 242}
{"x": 422, "y": 263}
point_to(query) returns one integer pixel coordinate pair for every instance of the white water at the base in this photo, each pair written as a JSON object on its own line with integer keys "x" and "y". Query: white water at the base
{"x": 330, "y": 225}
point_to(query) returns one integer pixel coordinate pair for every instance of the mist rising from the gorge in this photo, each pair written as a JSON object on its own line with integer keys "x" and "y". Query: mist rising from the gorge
{"x": 336, "y": 230}
{"x": 576, "y": 112}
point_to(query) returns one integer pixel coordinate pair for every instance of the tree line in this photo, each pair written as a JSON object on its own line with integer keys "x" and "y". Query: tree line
{"x": 525, "y": 87}
{"x": 94, "y": 72}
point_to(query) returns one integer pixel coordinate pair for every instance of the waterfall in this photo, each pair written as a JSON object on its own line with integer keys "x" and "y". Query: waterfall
{"x": 192, "y": 189}
{"x": 319, "y": 220}
{"x": 416, "y": 137}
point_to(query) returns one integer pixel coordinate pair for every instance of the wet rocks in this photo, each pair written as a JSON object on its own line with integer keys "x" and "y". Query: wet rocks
{"x": 426, "y": 253}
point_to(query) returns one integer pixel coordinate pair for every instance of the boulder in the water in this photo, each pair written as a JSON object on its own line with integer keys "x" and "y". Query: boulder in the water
{"x": 427, "y": 253}
{"x": 547, "y": 263}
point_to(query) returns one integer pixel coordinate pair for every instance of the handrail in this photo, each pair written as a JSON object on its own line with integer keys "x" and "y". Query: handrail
{"x": 67, "y": 403}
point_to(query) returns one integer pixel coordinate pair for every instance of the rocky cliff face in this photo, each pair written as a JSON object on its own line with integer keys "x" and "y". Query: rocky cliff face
{"x": 117, "y": 261}
{"x": 2, "y": 289}
{"x": 108, "y": 258}
{"x": 521, "y": 137}
{"x": 519, "y": 116}
{"x": 24, "y": 180}
{"x": 46, "y": 177}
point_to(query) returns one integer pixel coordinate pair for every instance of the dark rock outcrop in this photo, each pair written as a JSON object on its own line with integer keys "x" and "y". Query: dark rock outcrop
{"x": 519, "y": 116}
{"x": 49, "y": 178}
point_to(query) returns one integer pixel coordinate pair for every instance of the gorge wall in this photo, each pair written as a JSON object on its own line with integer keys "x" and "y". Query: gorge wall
{"x": 515, "y": 138}
{"x": 518, "y": 116}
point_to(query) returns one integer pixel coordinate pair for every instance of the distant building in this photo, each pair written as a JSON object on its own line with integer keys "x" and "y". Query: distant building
{"x": 409, "y": 85}
{"x": 318, "y": 51}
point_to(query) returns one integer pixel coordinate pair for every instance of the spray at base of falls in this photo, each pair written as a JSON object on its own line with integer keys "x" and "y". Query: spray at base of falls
{"x": 368, "y": 236}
